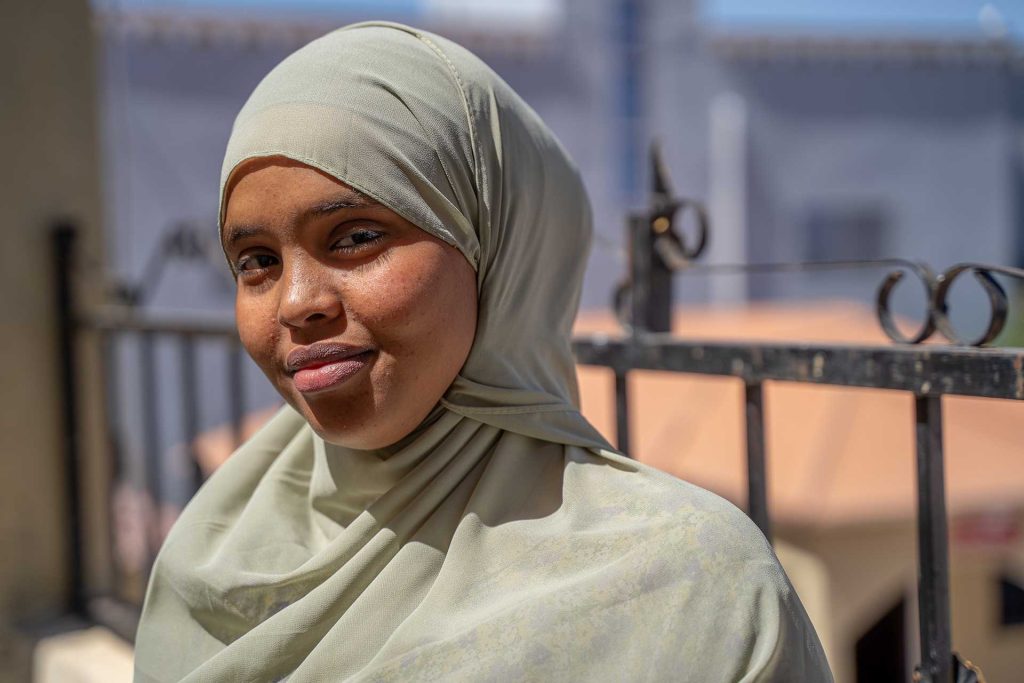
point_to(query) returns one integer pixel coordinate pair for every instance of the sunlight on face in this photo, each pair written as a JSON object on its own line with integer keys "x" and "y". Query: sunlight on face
{"x": 360, "y": 319}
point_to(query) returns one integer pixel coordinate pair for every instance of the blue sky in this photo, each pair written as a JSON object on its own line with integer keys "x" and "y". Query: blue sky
{"x": 933, "y": 17}
{"x": 954, "y": 17}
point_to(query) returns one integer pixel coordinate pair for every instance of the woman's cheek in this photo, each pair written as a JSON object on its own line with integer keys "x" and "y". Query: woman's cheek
{"x": 406, "y": 302}
{"x": 257, "y": 332}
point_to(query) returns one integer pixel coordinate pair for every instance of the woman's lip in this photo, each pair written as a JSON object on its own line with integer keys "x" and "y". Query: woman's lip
{"x": 320, "y": 377}
{"x": 319, "y": 354}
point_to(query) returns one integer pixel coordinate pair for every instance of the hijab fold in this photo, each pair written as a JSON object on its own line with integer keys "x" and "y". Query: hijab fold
{"x": 504, "y": 539}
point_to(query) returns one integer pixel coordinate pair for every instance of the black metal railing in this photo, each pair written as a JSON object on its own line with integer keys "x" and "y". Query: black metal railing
{"x": 929, "y": 372}
{"x": 658, "y": 252}
{"x": 124, "y": 320}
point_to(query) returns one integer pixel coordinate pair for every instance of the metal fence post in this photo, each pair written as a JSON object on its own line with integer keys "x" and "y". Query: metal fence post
{"x": 933, "y": 544}
{"x": 63, "y": 255}
{"x": 190, "y": 405}
{"x": 622, "y": 412}
{"x": 153, "y": 463}
{"x": 757, "y": 476}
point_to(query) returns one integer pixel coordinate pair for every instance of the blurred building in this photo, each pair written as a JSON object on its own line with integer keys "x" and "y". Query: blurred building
{"x": 805, "y": 146}
{"x": 844, "y": 147}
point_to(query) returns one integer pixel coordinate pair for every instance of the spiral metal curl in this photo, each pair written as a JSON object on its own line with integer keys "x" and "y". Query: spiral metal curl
{"x": 182, "y": 242}
{"x": 993, "y": 290}
{"x": 884, "y": 313}
{"x": 679, "y": 255}
{"x": 936, "y": 315}
{"x": 670, "y": 245}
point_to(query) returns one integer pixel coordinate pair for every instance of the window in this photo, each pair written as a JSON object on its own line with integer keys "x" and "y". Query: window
{"x": 845, "y": 231}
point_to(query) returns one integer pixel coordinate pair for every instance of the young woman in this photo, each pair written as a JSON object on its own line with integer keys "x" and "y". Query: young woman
{"x": 409, "y": 243}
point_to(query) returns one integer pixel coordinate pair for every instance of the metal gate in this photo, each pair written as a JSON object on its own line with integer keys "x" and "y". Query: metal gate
{"x": 929, "y": 372}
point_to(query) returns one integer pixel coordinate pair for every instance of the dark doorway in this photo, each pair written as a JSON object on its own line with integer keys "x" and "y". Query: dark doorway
{"x": 881, "y": 651}
{"x": 1011, "y": 602}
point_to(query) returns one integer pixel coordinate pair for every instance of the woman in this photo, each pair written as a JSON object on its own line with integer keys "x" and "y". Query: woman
{"x": 409, "y": 243}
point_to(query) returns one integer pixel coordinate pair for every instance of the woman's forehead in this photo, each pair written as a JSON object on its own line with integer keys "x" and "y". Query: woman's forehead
{"x": 282, "y": 174}
{"x": 279, "y": 188}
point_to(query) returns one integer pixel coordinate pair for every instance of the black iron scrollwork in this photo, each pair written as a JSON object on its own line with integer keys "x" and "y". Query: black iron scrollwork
{"x": 669, "y": 244}
{"x": 884, "y": 313}
{"x": 997, "y": 298}
{"x": 184, "y": 242}
{"x": 676, "y": 255}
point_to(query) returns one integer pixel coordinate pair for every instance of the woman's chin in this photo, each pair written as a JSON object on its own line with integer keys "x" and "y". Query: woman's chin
{"x": 364, "y": 432}
{"x": 347, "y": 433}
{"x": 341, "y": 428}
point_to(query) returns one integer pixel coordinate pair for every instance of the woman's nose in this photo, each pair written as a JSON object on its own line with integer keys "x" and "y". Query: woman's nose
{"x": 308, "y": 297}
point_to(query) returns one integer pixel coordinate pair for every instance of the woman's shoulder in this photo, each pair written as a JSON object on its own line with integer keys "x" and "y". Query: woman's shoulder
{"x": 636, "y": 495}
{"x": 689, "y": 536}
{"x": 705, "y": 562}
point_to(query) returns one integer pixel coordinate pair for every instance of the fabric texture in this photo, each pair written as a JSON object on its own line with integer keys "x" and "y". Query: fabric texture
{"x": 504, "y": 539}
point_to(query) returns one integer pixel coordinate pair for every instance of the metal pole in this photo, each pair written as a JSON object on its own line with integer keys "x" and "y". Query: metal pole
{"x": 658, "y": 310}
{"x": 110, "y": 360}
{"x": 64, "y": 263}
{"x": 190, "y": 406}
{"x": 236, "y": 406}
{"x": 757, "y": 476}
{"x": 622, "y": 412}
{"x": 933, "y": 544}
{"x": 152, "y": 460}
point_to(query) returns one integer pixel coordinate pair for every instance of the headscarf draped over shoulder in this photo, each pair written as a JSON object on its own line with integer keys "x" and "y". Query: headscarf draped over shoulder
{"x": 504, "y": 539}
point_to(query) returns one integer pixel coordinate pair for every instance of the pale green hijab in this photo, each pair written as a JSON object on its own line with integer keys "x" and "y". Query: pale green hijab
{"x": 502, "y": 540}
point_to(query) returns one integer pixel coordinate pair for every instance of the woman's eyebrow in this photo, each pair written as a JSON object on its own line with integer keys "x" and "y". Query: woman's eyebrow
{"x": 351, "y": 200}
{"x": 237, "y": 233}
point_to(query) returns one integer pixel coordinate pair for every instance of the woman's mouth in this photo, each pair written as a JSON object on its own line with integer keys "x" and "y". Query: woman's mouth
{"x": 320, "y": 367}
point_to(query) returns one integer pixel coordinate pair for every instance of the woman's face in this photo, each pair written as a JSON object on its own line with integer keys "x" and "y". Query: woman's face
{"x": 360, "y": 319}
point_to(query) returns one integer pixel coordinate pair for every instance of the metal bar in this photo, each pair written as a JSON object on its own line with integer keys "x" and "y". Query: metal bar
{"x": 150, "y": 438}
{"x": 622, "y": 413}
{"x": 112, "y": 441}
{"x": 650, "y": 280}
{"x": 63, "y": 255}
{"x": 933, "y": 543}
{"x": 121, "y": 319}
{"x": 190, "y": 405}
{"x": 236, "y": 399}
{"x": 927, "y": 369}
{"x": 690, "y": 267}
{"x": 659, "y": 302}
{"x": 757, "y": 476}
{"x": 924, "y": 370}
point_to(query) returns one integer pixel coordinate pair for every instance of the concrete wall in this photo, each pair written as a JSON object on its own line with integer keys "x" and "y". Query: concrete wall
{"x": 49, "y": 169}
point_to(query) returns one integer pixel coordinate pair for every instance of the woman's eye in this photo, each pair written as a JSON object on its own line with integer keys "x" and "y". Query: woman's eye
{"x": 356, "y": 239}
{"x": 254, "y": 262}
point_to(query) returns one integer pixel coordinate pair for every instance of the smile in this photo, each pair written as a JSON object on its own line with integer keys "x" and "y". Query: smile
{"x": 325, "y": 366}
